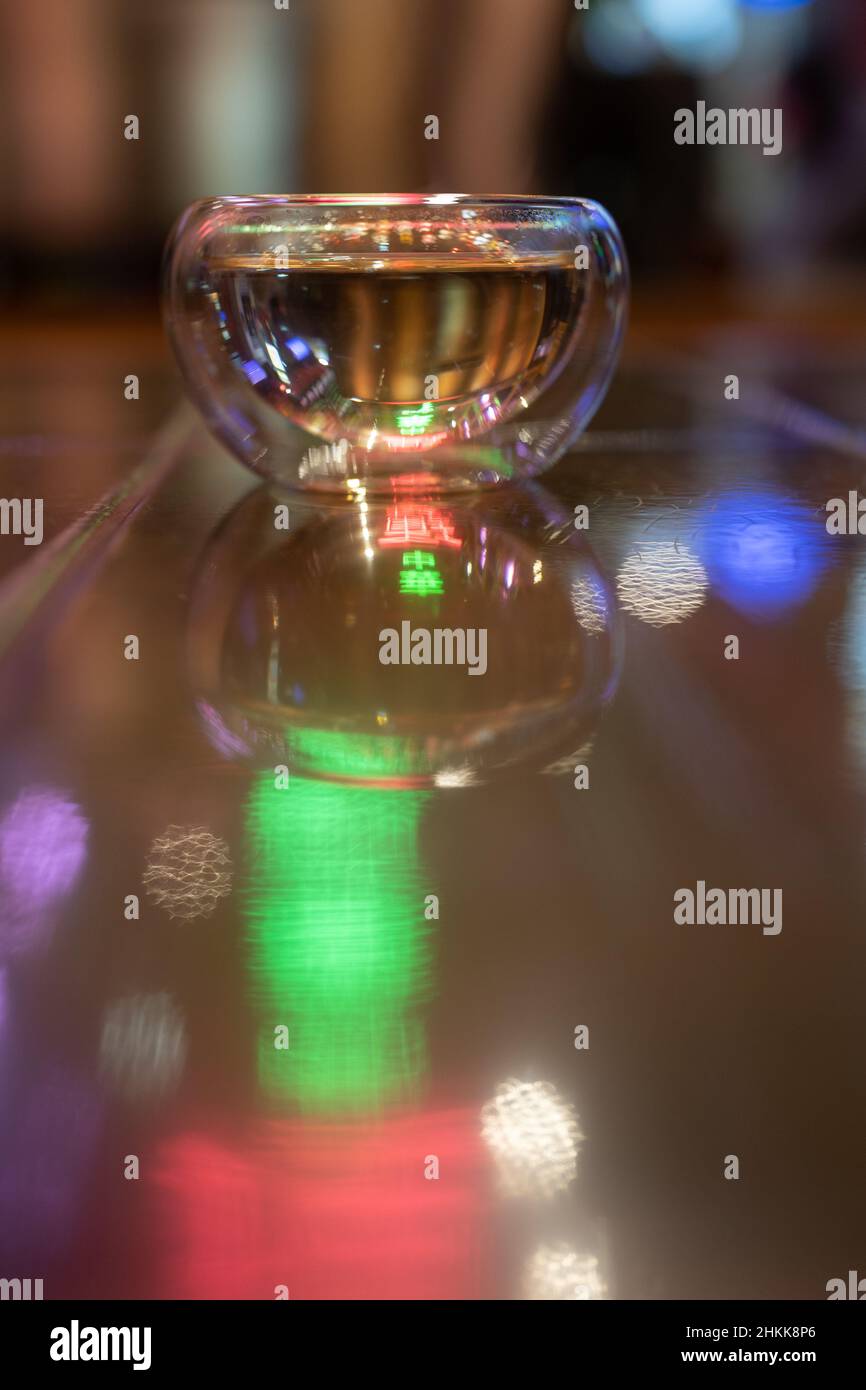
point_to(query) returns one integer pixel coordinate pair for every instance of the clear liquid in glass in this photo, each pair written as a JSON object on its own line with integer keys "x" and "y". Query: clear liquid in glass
{"x": 407, "y": 353}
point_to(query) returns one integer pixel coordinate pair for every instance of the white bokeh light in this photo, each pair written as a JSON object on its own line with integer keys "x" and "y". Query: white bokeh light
{"x": 188, "y": 871}
{"x": 143, "y": 1048}
{"x": 590, "y": 604}
{"x": 662, "y": 583}
{"x": 557, "y": 1272}
{"x": 534, "y": 1136}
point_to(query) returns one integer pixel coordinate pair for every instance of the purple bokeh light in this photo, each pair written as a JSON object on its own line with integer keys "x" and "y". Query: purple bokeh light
{"x": 43, "y": 846}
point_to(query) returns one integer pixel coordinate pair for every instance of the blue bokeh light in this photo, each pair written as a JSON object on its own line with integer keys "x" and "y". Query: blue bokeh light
{"x": 703, "y": 34}
{"x": 616, "y": 39}
{"x": 774, "y": 4}
{"x": 763, "y": 552}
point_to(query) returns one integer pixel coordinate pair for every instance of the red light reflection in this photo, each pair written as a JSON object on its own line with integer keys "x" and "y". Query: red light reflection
{"x": 408, "y": 524}
{"x": 330, "y": 1211}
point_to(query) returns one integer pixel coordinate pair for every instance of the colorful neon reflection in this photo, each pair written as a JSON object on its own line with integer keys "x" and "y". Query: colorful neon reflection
{"x": 408, "y": 523}
{"x": 327, "y": 1211}
{"x": 340, "y": 948}
{"x": 420, "y": 575}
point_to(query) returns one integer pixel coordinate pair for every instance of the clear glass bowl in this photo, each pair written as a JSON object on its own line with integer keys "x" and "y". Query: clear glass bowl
{"x": 302, "y": 647}
{"x": 456, "y": 339}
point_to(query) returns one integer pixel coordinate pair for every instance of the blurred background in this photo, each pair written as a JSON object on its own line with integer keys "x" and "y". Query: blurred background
{"x": 238, "y": 96}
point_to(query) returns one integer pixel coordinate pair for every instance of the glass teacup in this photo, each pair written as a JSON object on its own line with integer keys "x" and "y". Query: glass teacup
{"x": 461, "y": 340}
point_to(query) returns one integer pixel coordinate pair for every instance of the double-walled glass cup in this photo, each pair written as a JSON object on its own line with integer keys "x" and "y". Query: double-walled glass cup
{"x": 458, "y": 340}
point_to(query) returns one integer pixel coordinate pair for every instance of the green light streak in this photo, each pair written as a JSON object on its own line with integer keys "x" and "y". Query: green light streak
{"x": 340, "y": 951}
{"x": 417, "y": 420}
{"x": 369, "y": 758}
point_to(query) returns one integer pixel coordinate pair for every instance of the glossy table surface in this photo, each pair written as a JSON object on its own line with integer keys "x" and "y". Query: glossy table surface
{"x": 158, "y": 1143}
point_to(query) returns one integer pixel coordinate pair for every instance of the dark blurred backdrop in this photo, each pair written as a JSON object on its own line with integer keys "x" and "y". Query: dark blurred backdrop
{"x": 238, "y": 96}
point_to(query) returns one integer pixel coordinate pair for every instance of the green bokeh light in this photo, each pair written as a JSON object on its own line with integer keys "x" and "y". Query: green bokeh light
{"x": 340, "y": 949}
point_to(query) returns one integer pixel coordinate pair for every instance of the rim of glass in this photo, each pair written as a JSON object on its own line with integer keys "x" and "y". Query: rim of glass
{"x": 394, "y": 199}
